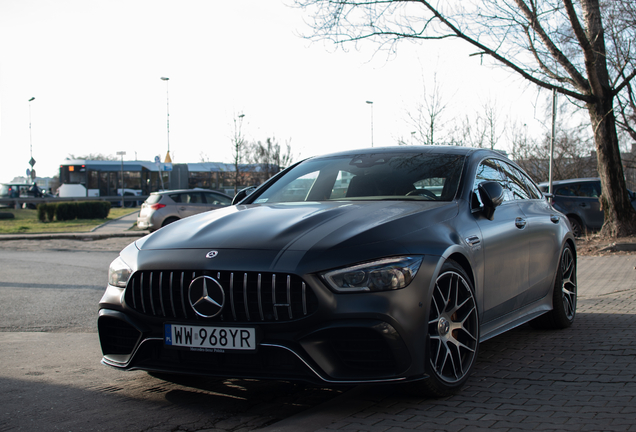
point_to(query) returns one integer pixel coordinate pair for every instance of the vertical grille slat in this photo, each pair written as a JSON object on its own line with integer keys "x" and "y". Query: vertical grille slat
{"x": 232, "y": 296}
{"x": 141, "y": 290}
{"x": 260, "y": 298}
{"x": 152, "y": 297}
{"x": 171, "y": 292}
{"x": 163, "y": 310}
{"x": 254, "y": 297}
{"x": 247, "y": 306}
{"x": 274, "y": 297}
{"x": 289, "y": 308}
{"x": 183, "y": 303}
{"x": 134, "y": 294}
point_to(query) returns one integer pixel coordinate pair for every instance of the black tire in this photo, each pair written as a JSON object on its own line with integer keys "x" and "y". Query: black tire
{"x": 169, "y": 220}
{"x": 577, "y": 226}
{"x": 453, "y": 333}
{"x": 564, "y": 296}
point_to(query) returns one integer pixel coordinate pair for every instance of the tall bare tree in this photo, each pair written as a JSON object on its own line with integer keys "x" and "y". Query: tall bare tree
{"x": 493, "y": 123}
{"x": 427, "y": 117}
{"x": 270, "y": 156}
{"x": 555, "y": 44}
{"x": 239, "y": 144}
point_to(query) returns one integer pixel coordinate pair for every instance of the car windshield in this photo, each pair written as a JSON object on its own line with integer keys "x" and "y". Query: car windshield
{"x": 378, "y": 176}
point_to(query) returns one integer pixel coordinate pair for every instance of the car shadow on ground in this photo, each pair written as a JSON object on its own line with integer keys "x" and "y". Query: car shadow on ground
{"x": 523, "y": 379}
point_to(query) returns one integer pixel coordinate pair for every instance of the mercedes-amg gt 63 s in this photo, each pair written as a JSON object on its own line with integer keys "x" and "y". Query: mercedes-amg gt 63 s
{"x": 367, "y": 266}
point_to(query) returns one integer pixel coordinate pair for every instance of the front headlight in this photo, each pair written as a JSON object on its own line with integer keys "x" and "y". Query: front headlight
{"x": 119, "y": 273}
{"x": 382, "y": 275}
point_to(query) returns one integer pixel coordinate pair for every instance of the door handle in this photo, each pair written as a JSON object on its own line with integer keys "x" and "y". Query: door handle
{"x": 473, "y": 240}
{"x": 520, "y": 223}
{"x": 583, "y": 205}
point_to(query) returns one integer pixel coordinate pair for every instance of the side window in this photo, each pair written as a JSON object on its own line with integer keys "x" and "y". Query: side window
{"x": 175, "y": 197}
{"x": 567, "y": 190}
{"x": 588, "y": 190}
{"x": 515, "y": 181}
{"x": 216, "y": 199}
{"x": 191, "y": 198}
{"x": 487, "y": 171}
{"x": 533, "y": 189}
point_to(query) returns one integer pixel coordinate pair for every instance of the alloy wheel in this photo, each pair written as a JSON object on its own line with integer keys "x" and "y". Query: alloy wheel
{"x": 453, "y": 328}
{"x": 568, "y": 283}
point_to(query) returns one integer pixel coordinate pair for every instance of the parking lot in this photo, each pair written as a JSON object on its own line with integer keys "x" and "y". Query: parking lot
{"x": 581, "y": 378}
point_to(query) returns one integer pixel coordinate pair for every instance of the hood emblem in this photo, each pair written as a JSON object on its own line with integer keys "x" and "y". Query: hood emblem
{"x": 211, "y": 254}
{"x": 206, "y": 296}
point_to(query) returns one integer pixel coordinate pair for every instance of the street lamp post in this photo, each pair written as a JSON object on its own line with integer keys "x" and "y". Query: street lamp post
{"x": 371, "y": 103}
{"x": 168, "y": 158}
{"x": 122, "y": 153}
{"x": 238, "y": 149}
{"x": 31, "y": 160}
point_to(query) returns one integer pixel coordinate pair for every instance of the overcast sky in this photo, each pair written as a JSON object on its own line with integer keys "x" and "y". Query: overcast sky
{"x": 94, "y": 69}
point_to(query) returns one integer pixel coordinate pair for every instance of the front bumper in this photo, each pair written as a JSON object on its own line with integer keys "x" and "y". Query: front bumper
{"x": 341, "y": 339}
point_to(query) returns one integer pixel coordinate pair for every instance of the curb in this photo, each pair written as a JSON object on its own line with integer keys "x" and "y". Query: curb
{"x": 70, "y": 236}
{"x": 622, "y": 247}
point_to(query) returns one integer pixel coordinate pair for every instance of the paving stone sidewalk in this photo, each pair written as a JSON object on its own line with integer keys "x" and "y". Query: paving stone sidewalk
{"x": 579, "y": 379}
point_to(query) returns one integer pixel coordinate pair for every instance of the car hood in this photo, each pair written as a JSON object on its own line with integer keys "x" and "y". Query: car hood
{"x": 300, "y": 226}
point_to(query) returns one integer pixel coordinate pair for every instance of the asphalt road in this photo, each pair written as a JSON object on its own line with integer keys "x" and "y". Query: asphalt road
{"x": 52, "y": 291}
{"x": 50, "y": 373}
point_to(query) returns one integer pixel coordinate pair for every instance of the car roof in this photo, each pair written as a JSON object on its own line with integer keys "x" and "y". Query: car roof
{"x": 168, "y": 192}
{"x": 448, "y": 149}
{"x": 568, "y": 181}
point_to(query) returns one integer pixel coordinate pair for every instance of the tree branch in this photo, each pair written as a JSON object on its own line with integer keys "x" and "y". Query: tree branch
{"x": 579, "y": 81}
{"x": 625, "y": 82}
{"x": 461, "y": 35}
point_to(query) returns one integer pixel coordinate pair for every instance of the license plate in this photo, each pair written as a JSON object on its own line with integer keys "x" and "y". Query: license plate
{"x": 213, "y": 339}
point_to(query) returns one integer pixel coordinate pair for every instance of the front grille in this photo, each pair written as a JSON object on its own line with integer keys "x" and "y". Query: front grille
{"x": 249, "y": 296}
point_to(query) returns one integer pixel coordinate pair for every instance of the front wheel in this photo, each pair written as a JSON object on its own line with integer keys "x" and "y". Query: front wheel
{"x": 453, "y": 332}
{"x": 577, "y": 226}
{"x": 564, "y": 296}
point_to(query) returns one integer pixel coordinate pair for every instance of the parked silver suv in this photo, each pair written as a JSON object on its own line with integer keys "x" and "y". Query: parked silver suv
{"x": 163, "y": 208}
{"x": 578, "y": 199}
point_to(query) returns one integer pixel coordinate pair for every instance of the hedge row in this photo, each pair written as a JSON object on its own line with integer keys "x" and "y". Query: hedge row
{"x": 73, "y": 210}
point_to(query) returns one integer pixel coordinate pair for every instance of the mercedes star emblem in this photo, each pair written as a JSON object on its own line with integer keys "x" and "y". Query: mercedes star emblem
{"x": 211, "y": 254}
{"x": 206, "y": 296}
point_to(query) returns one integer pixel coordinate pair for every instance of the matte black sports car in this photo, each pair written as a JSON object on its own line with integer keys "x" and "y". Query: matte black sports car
{"x": 377, "y": 265}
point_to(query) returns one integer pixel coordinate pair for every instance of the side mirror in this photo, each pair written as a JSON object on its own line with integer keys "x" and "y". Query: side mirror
{"x": 242, "y": 194}
{"x": 492, "y": 195}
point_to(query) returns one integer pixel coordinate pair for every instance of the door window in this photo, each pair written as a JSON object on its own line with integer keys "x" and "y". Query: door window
{"x": 516, "y": 184}
{"x": 487, "y": 171}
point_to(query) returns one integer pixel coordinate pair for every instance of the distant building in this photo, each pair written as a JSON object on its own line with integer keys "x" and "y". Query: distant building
{"x": 103, "y": 178}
